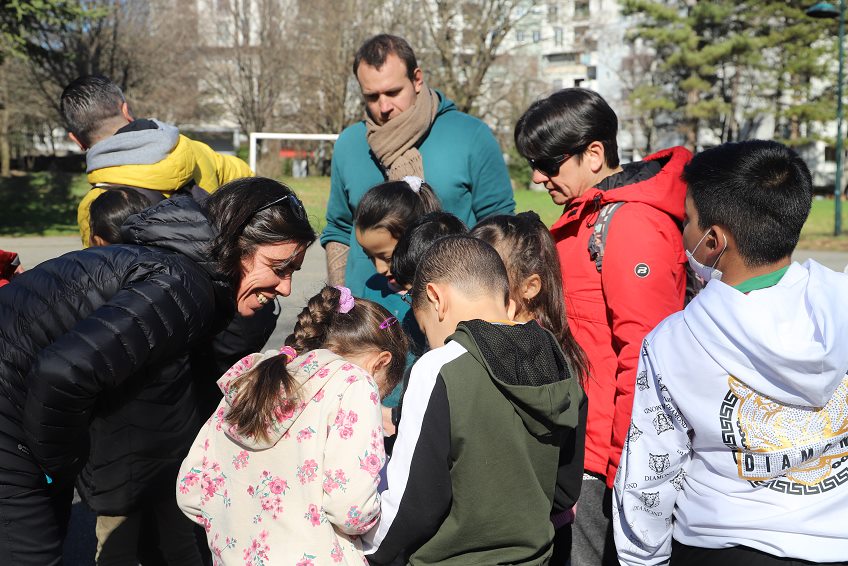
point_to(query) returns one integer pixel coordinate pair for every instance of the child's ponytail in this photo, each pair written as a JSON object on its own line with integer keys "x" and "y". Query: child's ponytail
{"x": 527, "y": 248}
{"x": 259, "y": 390}
{"x": 394, "y": 205}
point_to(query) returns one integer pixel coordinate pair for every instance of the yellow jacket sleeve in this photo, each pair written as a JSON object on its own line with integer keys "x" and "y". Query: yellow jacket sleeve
{"x": 84, "y": 215}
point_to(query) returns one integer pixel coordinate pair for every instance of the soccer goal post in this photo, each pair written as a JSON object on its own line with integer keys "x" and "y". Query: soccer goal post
{"x": 256, "y": 136}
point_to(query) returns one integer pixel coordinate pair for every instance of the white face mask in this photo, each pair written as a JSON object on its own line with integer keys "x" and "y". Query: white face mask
{"x": 701, "y": 270}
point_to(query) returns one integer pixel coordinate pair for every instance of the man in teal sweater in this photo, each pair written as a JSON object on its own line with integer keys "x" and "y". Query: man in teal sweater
{"x": 409, "y": 129}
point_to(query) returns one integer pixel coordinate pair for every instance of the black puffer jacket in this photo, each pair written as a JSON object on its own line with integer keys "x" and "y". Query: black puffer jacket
{"x": 96, "y": 348}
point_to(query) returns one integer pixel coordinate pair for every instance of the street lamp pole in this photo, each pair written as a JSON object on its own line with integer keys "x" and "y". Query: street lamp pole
{"x": 828, "y": 10}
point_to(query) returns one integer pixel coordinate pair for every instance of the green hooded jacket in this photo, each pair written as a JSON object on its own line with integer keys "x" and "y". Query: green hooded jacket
{"x": 488, "y": 447}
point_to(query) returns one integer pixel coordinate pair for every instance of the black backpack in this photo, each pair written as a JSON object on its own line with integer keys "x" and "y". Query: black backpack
{"x": 598, "y": 241}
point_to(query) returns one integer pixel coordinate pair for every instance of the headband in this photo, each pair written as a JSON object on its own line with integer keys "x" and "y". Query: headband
{"x": 346, "y": 299}
{"x": 414, "y": 183}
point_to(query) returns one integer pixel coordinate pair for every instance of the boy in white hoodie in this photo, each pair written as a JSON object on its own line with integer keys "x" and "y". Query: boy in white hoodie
{"x": 738, "y": 447}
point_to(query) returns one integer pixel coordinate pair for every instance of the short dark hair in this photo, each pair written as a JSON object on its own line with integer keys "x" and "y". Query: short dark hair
{"x": 234, "y": 211}
{"x": 470, "y": 265}
{"x": 86, "y": 102}
{"x": 761, "y": 191}
{"x": 394, "y": 205}
{"x": 109, "y": 210}
{"x": 567, "y": 122}
{"x": 418, "y": 238}
{"x": 375, "y": 50}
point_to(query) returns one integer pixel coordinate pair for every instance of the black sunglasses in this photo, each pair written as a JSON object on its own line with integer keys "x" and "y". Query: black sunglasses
{"x": 294, "y": 204}
{"x": 549, "y": 166}
{"x": 407, "y": 298}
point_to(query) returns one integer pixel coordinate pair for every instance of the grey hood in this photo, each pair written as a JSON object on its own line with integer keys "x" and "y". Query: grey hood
{"x": 138, "y": 147}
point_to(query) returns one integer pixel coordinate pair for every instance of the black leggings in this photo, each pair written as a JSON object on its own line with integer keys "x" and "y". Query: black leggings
{"x": 684, "y": 555}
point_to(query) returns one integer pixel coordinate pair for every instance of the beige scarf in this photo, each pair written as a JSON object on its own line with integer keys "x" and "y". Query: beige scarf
{"x": 394, "y": 142}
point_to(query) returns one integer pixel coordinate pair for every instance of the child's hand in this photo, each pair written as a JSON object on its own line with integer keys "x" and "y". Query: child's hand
{"x": 389, "y": 428}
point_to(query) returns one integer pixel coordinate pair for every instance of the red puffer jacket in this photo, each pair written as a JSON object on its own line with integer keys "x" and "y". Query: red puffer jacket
{"x": 643, "y": 280}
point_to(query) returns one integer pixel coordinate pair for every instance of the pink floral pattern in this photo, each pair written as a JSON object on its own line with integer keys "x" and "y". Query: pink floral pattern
{"x": 269, "y": 491}
{"x": 334, "y": 480}
{"x": 371, "y": 463}
{"x": 240, "y": 460}
{"x": 307, "y": 472}
{"x": 336, "y": 554}
{"x": 257, "y": 553}
{"x": 344, "y": 423}
{"x": 304, "y": 495}
{"x": 305, "y": 434}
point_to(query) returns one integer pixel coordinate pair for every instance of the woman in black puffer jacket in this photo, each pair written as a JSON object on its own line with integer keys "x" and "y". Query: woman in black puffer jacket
{"x": 87, "y": 339}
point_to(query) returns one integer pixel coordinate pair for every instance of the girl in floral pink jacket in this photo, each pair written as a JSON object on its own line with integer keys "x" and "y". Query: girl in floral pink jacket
{"x": 286, "y": 470}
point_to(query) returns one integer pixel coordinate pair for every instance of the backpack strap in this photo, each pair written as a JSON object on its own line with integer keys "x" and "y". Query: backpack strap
{"x": 598, "y": 237}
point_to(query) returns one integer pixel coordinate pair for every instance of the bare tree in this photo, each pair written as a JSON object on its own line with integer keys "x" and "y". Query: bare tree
{"x": 248, "y": 59}
{"x": 462, "y": 40}
{"x": 326, "y": 91}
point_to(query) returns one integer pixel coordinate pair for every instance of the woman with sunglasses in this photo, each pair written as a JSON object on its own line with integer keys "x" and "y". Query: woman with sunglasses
{"x": 85, "y": 338}
{"x": 632, "y": 277}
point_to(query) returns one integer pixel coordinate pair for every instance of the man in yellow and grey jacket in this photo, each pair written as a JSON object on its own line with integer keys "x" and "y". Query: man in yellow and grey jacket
{"x": 148, "y": 155}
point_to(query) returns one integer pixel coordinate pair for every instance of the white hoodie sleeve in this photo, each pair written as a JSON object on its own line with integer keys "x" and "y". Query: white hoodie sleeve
{"x": 651, "y": 472}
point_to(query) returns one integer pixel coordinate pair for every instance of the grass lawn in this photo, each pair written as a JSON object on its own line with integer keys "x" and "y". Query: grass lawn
{"x": 45, "y": 204}
{"x": 40, "y": 204}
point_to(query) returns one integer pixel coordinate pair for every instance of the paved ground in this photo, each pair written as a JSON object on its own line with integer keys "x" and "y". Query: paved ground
{"x": 79, "y": 547}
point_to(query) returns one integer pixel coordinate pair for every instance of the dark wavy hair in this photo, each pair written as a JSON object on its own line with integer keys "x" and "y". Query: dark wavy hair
{"x": 319, "y": 325}
{"x": 109, "y": 210}
{"x": 526, "y": 247}
{"x": 394, "y": 206}
{"x": 568, "y": 121}
{"x": 417, "y": 238}
{"x": 234, "y": 210}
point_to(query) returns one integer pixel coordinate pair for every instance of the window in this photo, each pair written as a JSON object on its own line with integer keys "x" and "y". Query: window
{"x": 558, "y": 37}
{"x": 561, "y": 57}
{"x": 581, "y": 8}
{"x": 519, "y": 35}
{"x": 552, "y": 10}
{"x": 537, "y": 36}
{"x": 830, "y": 153}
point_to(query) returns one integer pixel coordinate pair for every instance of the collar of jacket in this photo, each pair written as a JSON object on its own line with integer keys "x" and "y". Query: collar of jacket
{"x": 664, "y": 190}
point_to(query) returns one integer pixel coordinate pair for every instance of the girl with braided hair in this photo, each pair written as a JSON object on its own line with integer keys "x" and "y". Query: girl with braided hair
{"x": 286, "y": 469}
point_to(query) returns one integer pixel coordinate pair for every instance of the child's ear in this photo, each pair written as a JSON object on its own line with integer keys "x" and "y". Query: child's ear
{"x": 531, "y": 287}
{"x": 382, "y": 360}
{"x": 437, "y": 298}
{"x": 76, "y": 140}
{"x": 97, "y": 241}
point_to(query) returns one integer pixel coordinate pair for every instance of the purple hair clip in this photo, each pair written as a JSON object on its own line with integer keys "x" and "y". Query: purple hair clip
{"x": 289, "y": 352}
{"x": 346, "y": 300}
{"x": 388, "y": 322}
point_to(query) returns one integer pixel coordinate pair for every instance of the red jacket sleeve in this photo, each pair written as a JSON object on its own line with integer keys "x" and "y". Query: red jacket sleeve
{"x": 644, "y": 281}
